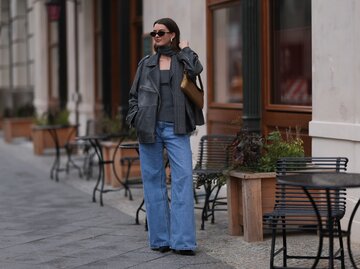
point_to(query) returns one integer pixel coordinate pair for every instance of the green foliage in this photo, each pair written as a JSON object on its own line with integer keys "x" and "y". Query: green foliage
{"x": 247, "y": 150}
{"x": 276, "y": 147}
{"x": 27, "y": 110}
{"x": 257, "y": 154}
{"x": 111, "y": 125}
{"x": 53, "y": 117}
{"x": 115, "y": 126}
{"x": 24, "y": 111}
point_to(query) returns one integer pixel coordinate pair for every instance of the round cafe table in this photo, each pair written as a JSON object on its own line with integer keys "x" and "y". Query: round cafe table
{"x": 327, "y": 182}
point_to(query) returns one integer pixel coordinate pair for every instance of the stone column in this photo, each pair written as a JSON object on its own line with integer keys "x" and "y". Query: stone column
{"x": 81, "y": 61}
{"x": 41, "y": 81}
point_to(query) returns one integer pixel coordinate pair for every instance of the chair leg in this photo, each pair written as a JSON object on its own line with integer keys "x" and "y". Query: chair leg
{"x": 273, "y": 241}
{"x": 214, "y": 204}
{"x": 284, "y": 241}
{"x": 204, "y": 215}
{"x": 341, "y": 244}
{"x": 195, "y": 196}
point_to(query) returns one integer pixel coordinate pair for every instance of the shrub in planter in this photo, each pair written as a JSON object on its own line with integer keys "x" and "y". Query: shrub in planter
{"x": 255, "y": 153}
{"x": 17, "y": 123}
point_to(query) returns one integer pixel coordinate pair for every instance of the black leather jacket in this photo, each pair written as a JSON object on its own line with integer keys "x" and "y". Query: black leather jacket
{"x": 144, "y": 97}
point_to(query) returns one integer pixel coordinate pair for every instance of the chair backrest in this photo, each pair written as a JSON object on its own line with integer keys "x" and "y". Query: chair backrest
{"x": 215, "y": 152}
{"x": 292, "y": 200}
{"x": 303, "y": 165}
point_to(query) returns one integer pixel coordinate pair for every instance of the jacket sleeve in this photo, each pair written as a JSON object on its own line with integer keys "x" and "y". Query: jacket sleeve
{"x": 191, "y": 61}
{"x": 133, "y": 95}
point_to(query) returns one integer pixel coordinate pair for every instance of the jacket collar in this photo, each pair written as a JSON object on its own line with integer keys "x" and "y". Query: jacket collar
{"x": 153, "y": 60}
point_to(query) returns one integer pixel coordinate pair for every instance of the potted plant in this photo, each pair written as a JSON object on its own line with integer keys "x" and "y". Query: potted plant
{"x": 17, "y": 123}
{"x": 251, "y": 181}
{"x": 40, "y": 130}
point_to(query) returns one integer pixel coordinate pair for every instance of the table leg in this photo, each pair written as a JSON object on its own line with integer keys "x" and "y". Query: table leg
{"x": 349, "y": 234}
{"x": 56, "y": 165}
{"x": 330, "y": 224}
{"x": 94, "y": 144}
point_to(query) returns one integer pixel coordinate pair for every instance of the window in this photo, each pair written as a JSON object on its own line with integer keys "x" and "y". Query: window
{"x": 291, "y": 52}
{"x": 227, "y": 54}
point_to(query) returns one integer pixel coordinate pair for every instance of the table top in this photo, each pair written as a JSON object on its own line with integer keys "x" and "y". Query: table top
{"x": 322, "y": 180}
{"x": 54, "y": 127}
{"x": 102, "y": 136}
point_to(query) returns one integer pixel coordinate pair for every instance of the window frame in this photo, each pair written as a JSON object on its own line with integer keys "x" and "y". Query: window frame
{"x": 211, "y": 6}
{"x": 267, "y": 61}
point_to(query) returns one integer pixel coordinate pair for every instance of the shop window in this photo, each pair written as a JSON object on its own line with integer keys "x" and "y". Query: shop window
{"x": 227, "y": 54}
{"x": 291, "y": 52}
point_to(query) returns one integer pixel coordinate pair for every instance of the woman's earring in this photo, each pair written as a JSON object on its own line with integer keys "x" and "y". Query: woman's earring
{"x": 171, "y": 39}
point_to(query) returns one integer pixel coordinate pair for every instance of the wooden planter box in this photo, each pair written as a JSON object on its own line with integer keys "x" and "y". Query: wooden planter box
{"x": 249, "y": 196}
{"x": 42, "y": 139}
{"x": 17, "y": 127}
{"x": 121, "y": 170}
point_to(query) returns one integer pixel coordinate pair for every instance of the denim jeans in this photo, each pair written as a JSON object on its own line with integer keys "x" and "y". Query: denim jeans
{"x": 169, "y": 225}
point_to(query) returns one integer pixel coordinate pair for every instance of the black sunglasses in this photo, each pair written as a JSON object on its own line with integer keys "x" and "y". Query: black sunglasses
{"x": 159, "y": 33}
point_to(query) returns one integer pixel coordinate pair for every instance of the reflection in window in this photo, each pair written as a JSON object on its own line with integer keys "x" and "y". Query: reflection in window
{"x": 227, "y": 32}
{"x": 291, "y": 33}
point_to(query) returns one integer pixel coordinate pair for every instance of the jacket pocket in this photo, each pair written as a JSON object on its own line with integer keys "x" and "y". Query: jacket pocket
{"x": 145, "y": 119}
{"x": 147, "y": 96}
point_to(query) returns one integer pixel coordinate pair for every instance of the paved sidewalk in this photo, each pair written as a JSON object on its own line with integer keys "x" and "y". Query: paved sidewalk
{"x": 48, "y": 224}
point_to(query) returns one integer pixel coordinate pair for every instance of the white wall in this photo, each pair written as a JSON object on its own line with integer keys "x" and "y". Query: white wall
{"x": 335, "y": 127}
{"x": 190, "y": 17}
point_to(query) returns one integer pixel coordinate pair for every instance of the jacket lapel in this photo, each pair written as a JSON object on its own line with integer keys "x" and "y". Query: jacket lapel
{"x": 154, "y": 73}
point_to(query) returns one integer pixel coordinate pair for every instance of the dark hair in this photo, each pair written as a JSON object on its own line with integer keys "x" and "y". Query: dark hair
{"x": 174, "y": 28}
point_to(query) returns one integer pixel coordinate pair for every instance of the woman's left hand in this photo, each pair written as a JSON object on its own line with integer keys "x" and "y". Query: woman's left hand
{"x": 183, "y": 44}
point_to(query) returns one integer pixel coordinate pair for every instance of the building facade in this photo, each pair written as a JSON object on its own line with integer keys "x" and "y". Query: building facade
{"x": 268, "y": 64}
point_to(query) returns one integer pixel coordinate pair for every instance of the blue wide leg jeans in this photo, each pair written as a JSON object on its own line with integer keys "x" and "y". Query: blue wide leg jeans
{"x": 169, "y": 225}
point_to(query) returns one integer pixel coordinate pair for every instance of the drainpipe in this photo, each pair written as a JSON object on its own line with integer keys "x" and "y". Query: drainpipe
{"x": 251, "y": 65}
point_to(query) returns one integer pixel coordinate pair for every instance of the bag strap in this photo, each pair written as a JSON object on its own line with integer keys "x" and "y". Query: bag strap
{"x": 200, "y": 81}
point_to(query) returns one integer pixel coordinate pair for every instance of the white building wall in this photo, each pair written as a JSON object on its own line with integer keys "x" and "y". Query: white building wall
{"x": 335, "y": 125}
{"x": 190, "y": 17}
{"x": 85, "y": 48}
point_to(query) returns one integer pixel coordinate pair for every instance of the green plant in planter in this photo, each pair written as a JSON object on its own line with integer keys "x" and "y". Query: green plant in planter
{"x": 54, "y": 117}
{"x": 23, "y": 111}
{"x": 115, "y": 126}
{"x": 277, "y": 147}
{"x": 247, "y": 150}
{"x": 257, "y": 154}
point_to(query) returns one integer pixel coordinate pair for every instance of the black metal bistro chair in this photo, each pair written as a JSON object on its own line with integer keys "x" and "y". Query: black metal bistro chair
{"x": 214, "y": 157}
{"x": 294, "y": 212}
{"x": 87, "y": 155}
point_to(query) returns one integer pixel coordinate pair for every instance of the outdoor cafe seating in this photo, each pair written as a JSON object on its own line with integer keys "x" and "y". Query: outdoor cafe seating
{"x": 214, "y": 157}
{"x": 294, "y": 210}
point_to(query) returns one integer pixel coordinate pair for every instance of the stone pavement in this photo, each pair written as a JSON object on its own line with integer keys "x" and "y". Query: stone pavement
{"x": 48, "y": 224}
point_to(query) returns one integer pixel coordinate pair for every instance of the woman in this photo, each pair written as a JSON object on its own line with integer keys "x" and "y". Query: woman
{"x": 164, "y": 119}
